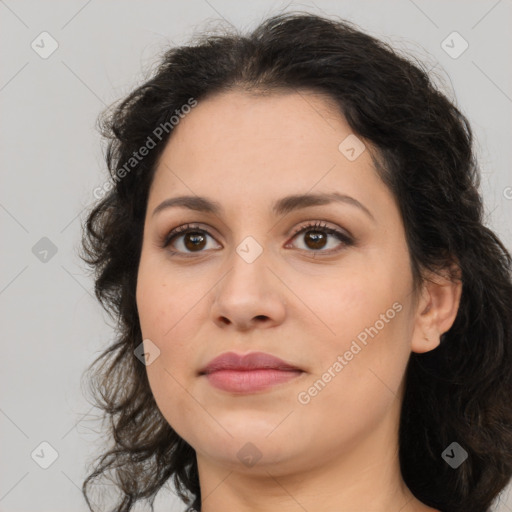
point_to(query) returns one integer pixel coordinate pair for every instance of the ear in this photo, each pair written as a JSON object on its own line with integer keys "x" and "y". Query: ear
{"x": 436, "y": 310}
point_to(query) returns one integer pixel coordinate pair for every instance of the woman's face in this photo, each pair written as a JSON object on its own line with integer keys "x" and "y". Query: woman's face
{"x": 338, "y": 308}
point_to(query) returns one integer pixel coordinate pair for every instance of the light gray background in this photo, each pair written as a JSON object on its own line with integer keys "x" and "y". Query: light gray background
{"x": 51, "y": 160}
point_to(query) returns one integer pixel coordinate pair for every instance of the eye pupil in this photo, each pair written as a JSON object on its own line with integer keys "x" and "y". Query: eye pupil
{"x": 318, "y": 238}
{"x": 194, "y": 237}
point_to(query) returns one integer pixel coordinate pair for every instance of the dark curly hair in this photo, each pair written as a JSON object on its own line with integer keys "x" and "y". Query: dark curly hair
{"x": 423, "y": 151}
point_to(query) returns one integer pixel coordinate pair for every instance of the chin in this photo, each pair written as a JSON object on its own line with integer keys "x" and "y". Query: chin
{"x": 230, "y": 436}
{"x": 257, "y": 456}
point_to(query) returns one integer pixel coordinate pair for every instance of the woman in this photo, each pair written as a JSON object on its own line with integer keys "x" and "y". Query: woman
{"x": 312, "y": 314}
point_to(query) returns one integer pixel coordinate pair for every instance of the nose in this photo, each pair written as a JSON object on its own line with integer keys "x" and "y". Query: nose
{"x": 248, "y": 296}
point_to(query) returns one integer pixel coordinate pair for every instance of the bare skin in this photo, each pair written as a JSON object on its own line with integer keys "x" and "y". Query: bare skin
{"x": 333, "y": 450}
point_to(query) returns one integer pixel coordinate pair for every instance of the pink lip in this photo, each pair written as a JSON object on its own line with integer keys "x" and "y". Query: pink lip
{"x": 252, "y": 372}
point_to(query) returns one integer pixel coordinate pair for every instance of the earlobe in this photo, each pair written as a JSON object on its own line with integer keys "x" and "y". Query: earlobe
{"x": 436, "y": 311}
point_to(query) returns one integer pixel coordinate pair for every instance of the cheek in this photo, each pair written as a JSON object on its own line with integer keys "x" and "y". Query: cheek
{"x": 172, "y": 310}
{"x": 350, "y": 305}
{"x": 360, "y": 376}
{"x": 164, "y": 321}
{"x": 164, "y": 301}
{"x": 172, "y": 398}
{"x": 365, "y": 340}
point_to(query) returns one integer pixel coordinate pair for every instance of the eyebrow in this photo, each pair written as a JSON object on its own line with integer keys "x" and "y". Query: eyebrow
{"x": 280, "y": 207}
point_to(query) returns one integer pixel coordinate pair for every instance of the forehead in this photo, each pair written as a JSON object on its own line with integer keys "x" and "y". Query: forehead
{"x": 290, "y": 123}
{"x": 238, "y": 145}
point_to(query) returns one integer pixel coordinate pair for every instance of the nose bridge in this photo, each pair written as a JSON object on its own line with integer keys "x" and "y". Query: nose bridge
{"x": 248, "y": 266}
{"x": 248, "y": 290}
{"x": 250, "y": 252}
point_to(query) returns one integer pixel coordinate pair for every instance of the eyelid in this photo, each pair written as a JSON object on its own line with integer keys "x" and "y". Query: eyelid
{"x": 322, "y": 224}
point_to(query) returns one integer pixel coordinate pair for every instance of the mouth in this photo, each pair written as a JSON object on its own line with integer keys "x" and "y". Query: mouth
{"x": 249, "y": 373}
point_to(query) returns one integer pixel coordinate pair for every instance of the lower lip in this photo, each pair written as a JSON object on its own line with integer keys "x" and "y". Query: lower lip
{"x": 247, "y": 381}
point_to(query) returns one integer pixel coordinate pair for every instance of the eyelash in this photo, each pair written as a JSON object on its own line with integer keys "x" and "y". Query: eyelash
{"x": 313, "y": 226}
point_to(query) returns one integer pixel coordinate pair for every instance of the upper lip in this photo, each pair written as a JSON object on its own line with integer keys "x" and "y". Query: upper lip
{"x": 251, "y": 361}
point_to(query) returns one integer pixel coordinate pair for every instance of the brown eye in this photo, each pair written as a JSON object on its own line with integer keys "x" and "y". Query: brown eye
{"x": 194, "y": 240}
{"x": 186, "y": 239}
{"x": 315, "y": 239}
{"x": 317, "y": 236}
